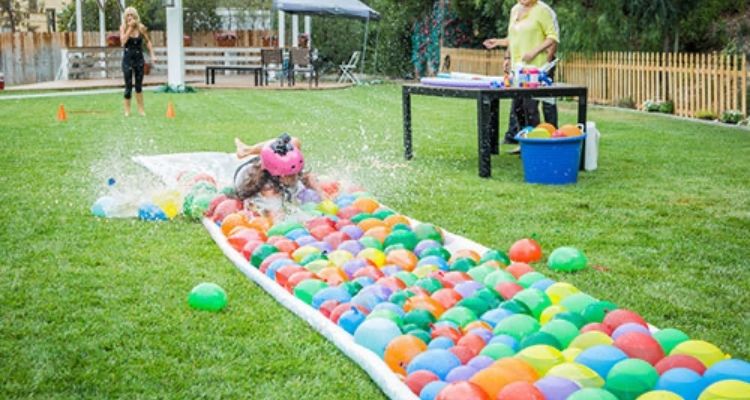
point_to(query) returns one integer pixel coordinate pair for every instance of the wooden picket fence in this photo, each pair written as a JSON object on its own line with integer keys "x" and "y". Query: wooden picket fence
{"x": 694, "y": 82}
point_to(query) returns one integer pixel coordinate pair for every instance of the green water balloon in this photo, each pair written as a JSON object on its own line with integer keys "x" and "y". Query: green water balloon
{"x": 567, "y": 259}
{"x": 207, "y": 296}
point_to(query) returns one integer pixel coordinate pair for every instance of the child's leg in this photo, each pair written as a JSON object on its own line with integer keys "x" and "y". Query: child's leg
{"x": 244, "y": 150}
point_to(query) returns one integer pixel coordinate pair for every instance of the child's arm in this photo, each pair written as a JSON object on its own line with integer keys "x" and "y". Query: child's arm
{"x": 311, "y": 182}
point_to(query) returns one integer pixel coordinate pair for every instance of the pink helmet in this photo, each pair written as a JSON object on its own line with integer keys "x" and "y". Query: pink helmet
{"x": 281, "y": 158}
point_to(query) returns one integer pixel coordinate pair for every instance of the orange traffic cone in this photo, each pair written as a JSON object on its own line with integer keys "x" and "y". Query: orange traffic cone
{"x": 62, "y": 116}
{"x": 170, "y": 110}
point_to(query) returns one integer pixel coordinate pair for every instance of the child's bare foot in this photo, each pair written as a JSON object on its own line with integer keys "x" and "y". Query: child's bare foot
{"x": 242, "y": 149}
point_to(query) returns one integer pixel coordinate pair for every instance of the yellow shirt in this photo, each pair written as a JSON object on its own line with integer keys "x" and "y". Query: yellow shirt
{"x": 530, "y": 31}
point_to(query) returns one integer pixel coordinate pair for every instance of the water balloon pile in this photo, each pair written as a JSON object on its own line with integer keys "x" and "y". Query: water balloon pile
{"x": 453, "y": 323}
{"x": 190, "y": 195}
{"x": 456, "y": 324}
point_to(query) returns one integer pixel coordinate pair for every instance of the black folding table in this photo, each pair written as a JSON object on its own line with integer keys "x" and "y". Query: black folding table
{"x": 488, "y": 110}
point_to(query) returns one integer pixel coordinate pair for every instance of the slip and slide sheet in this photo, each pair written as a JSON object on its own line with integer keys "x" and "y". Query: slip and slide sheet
{"x": 221, "y": 166}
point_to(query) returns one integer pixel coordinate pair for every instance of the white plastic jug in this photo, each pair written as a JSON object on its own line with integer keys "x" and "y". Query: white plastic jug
{"x": 592, "y": 146}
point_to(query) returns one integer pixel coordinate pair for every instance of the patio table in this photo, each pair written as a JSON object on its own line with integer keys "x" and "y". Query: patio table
{"x": 488, "y": 110}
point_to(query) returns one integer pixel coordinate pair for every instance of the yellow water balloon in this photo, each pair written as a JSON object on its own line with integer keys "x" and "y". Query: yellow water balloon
{"x": 559, "y": 291}
{"x": 730, "y": 389}
{"x": 424, "y": 270}
{"x": 706, "y": 352}
{"x": 541, "y": 357}
{"x": 591, "y": 339}
{"x": 550, "y": 312}
{"x": 659, "y": 395}
{"x": 583, "y": 375}
{"x": 339, "y": 257}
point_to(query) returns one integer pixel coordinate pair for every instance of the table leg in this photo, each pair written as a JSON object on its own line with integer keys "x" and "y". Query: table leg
{"x": 582, "y": 100}
{"x": 206, "y": 76}
{"x": 484, "y": 106}
{"x": 495, "y": 125}
{"x": 406, "y": 104}
{"x": 213, "y": 76}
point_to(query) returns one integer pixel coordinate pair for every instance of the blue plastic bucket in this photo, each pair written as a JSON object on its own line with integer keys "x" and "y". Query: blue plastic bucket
{"x": 551, "y": 161}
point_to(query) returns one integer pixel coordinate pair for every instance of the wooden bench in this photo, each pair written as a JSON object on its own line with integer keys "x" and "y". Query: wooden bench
{"x": 211, "y": 71}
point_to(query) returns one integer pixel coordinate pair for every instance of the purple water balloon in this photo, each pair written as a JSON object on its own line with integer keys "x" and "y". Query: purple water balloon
{"x": 305, "y": 240}
{"x": 424, "y": 245}
{"x": 382, "y": 292}
{"x": 483, "y": 333}
{"x": 466, "y": 289}
{"x": 309, "y": 196}
{"x": 353, "y": 231}
{"x": 391, "y": 270}
{"x": 352, "y": 266}
{"x": 629, "y": 327}
{"x": 460, "y": 373}
{"x": 351, "y": 246}
{"x": 556, "y": 388}
{"x": 480, "y": 362}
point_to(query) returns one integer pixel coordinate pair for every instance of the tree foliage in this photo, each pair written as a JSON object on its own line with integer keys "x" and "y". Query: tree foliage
{"x": 13, "y": 15}
{"x": 199, "y": 15}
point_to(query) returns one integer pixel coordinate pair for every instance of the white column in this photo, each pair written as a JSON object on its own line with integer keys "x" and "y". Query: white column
{"x": 295, "y": 30}
{"x": 102, "y": 35}
{"x": 79, "y": 23}
{"x": 282, "y": 29}
{"x": 175, "y": 50}
{"x": 102, "y": 27}
{"x": 308, "y": 30}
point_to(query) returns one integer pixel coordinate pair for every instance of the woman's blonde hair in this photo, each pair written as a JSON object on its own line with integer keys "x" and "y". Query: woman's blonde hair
{"x": 134, "y": 13}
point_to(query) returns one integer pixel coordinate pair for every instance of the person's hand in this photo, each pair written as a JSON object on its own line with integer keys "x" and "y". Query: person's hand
{"x": 490, "y": 43}
{"x": 528, "y": 57}
{"x": 154, "y": 59}
{"x": 506, "y": 65}
{"x": 133, "y": 25}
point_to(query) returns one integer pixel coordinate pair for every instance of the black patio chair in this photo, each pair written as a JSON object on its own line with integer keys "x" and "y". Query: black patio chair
{"x": 272, "y": 60}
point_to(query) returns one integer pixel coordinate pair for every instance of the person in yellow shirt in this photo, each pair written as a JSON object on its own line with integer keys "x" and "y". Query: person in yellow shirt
{"x": 532, "y": 33}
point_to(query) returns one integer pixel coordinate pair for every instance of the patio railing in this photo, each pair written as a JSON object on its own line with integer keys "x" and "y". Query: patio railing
{"x": 105, "y": 62}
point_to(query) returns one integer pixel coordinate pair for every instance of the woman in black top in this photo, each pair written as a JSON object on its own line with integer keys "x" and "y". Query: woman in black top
{"x": 132, "y": 36}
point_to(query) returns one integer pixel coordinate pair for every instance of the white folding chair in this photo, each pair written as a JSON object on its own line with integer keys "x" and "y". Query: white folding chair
{"x": 347, "y": 69}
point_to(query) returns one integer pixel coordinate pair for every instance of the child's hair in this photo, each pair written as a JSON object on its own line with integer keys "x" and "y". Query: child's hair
{"x": 256, "y": 178}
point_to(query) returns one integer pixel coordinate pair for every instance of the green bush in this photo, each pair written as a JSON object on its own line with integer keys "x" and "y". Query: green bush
{"x": 706, "y": 114}
{"x": 667, "y": 107}
{"x": 731, "y": 117}
{"x": 651, "y": 105}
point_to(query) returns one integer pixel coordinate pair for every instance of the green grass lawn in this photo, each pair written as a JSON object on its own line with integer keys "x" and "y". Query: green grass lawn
{"x": 97, "y": 308}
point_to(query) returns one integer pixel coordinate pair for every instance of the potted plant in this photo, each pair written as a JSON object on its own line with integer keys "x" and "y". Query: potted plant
{"x": 225, "y": 39}
{"x": 113, "y": 40}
